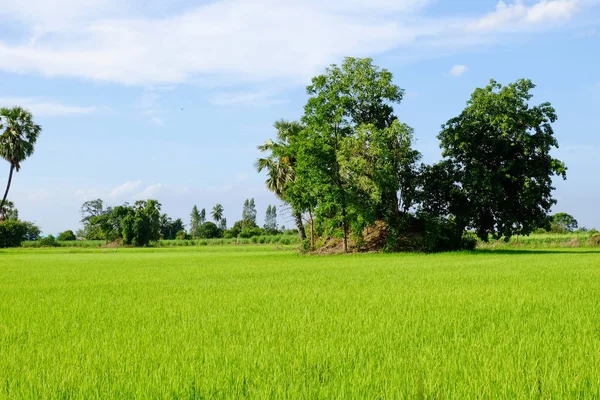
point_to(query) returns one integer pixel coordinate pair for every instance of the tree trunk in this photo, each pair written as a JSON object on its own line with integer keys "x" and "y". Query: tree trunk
{"x": 312, "y": 231}
{"x": 345, "y": 226}
{"x": 10, "y": 175}
{"x": 300, "y": 225}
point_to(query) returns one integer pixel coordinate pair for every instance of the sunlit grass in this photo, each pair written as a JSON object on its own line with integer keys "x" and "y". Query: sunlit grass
{"x": 231, "y": 322}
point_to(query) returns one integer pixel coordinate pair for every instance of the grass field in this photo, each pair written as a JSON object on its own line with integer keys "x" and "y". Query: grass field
{"x": 235, "y": 322}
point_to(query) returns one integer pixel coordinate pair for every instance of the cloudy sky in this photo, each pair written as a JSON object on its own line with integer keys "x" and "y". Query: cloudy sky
{"x": 168, "y": 99}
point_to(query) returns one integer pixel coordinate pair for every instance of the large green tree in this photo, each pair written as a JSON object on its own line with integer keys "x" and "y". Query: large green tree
{"x": 497, "y": 169}
{"x": 279, "y": 163}
{"x": 18, "y": 135}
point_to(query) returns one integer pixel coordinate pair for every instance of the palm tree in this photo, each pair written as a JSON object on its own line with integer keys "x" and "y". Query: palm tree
{"x": 217, "y": 213}
{"x": 280, "y": 164}
{"x": 17, "y": 142}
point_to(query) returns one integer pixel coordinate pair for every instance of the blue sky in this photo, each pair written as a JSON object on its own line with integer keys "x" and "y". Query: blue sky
{"x": 169, "y": 99}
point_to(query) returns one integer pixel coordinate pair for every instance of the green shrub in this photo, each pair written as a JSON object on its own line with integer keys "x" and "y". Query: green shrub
{"x": 469, "y": 241}
{"x": 48, "y": 241}
{"x": 66, "y": 236}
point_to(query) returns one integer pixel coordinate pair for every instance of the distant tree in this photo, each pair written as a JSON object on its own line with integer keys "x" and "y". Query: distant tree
{"x": 91, "y": 210}
{"x": 146, "y": 222}
{"x": 217, "y": 213}
{"x": 563, "y": 222}
{"x": 66, "y": 236}
{"x": 194, "y": 221}
{"x": 18, "y": 135}
{"x": 249, "y": 213}
{"x": 497, "y": 162}
{"x": 209, "y": 230}
{"x": 202, "y": 219}
{"x": 271, "y": 219}
{"x": 223, "y": 224}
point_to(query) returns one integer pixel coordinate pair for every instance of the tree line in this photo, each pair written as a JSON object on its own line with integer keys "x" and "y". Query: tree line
{"x": 143, "y": 222}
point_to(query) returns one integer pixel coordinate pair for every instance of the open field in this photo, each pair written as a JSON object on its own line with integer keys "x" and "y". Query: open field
{"x": 232, "y": 322}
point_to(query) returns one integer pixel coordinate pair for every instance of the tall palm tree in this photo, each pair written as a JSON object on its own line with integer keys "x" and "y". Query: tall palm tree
{"x": 217, "y": 213}
{"x": 17, "y": 141}
{"x": 280, "y": 164}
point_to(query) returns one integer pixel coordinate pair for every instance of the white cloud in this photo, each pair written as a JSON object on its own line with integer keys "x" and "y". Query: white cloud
{"x": 149, "y": 192}
{"x": 149, "y": 105}
{"x": 244, "y": 98}
{"x": 126, "y": 188}
{"x": 48, "y": 108}
{"x": 518, "y": 16}
{"x": 458, "y": 70}
{"x": 238, "y": 40}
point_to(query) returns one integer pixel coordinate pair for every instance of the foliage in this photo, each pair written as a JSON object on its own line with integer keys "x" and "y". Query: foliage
{"x": 209, "y": 230}
{"x": 66, "y": 236}
{"x": 497, "y": 156}
{"x": 12, "y": 233}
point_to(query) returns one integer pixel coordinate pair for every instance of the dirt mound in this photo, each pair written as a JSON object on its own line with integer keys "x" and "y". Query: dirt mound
{"x": 111, "y": 245}
{"x": 572, "y": 243}
{"x": 373, "y": 239}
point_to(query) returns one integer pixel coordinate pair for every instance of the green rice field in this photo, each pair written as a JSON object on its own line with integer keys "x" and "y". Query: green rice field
{"x": 262, "y": 322}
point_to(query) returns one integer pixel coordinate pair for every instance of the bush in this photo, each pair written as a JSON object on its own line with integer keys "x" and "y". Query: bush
{"x": 469, "y": 241}
{"x": 66, "y": 236}
{"x": 181, "y": 235}
{"x": 247, "y": 233}
{"x": 48, "y": 241}
{"x": 12, "y": 233}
